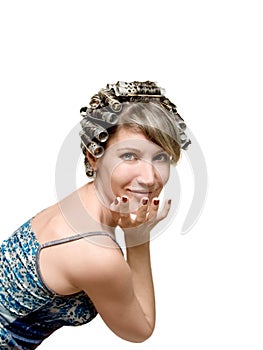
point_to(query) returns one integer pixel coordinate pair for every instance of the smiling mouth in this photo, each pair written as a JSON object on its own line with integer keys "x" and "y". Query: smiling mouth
{"x": 141, "y": 192}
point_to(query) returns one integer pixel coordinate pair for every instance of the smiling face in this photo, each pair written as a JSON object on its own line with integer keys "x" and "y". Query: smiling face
{"x": 131, "y": 166}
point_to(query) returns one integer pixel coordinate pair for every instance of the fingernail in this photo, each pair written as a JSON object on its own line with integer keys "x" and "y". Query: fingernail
{"x": 144, "y": 201}
{"x": 169, "y": 201}
{"x": 156, "y": 201}
{"x": 124, "y": 199}
{"x": 116, "y": 201}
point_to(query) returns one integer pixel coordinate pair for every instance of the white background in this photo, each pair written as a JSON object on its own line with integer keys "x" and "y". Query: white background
{"x": 208, "y": 56}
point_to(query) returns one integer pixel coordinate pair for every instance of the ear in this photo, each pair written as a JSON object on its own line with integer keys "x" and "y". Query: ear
{"x": 92, "y": 160}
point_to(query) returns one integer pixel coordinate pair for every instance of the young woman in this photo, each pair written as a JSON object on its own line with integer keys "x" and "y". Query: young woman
{"x": 62, "y": 267}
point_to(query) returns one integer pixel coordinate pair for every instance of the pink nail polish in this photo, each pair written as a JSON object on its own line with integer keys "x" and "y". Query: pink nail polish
{"x": 116, "y": 201}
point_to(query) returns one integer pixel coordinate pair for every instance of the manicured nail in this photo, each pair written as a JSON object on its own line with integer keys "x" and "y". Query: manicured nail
{"x": 156, "y": 201}
{"x": 144, "y": 201}
{"x": 116, "y": 201}
{"x": 169, "y": 201}
{"x": 124, "y": 199}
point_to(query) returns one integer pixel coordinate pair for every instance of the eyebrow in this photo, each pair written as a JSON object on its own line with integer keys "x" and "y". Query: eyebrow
{"x": 129, "y": 148}
{"x": 138, "y": 150}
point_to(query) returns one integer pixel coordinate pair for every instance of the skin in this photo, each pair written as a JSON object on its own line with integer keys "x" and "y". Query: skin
{"x": 130, "y": 177}
{"x": 131, "y": 167}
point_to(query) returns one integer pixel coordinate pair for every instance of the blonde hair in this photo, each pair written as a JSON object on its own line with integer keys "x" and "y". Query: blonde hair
{"x": 154, "y": 121}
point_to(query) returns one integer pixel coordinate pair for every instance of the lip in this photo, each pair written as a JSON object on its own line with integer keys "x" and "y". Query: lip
{"x": 140, "y": 192}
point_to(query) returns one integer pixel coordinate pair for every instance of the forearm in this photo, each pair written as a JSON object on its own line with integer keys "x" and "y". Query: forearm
{"x": 138, "y": 258}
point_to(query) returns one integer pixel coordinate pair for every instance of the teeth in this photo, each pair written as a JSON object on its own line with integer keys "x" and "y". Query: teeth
{"x": 139, "y": 191}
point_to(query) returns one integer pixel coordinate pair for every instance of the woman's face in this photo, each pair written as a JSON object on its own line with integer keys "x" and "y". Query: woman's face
{"x": 131, "y": 166}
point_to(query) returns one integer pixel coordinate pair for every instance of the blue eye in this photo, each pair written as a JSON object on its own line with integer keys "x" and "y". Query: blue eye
{"x": 129, "y": 156}
{"x": 162, "y": 157}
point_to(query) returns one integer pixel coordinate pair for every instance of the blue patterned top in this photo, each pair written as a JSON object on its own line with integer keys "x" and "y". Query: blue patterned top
{"x": 29, "y": 310}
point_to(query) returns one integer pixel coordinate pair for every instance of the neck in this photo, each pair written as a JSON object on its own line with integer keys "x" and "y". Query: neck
{"x": 96, "y": 209}
{"x": 84, "y": 212}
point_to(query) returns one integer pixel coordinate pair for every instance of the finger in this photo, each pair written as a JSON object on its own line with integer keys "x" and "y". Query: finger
{"x": 115, "y": 209}
{"x": 124, "y": 205}
{"x": 124, "y": 212}
{"x": 115, "y": 205}
{"x": 142, "y": 211}
{"x": 165, "y": 210}
{"x": 153, "y": 210}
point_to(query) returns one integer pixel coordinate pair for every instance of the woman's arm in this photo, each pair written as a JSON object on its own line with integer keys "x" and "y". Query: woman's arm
{"x": 137, "y": 229}
{"x": 118, "y": 290}
{"x": 122, "y": 291}
{"x": 138, "y": 258}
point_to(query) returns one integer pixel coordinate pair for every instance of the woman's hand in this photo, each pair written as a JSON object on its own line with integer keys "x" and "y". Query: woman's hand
{"x": 138, "y": 225}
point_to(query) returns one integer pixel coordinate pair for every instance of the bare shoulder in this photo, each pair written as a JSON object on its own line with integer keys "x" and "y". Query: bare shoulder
{"x": 79, "y": 263}
{"x": 68, "y": 267}
{"x": 47, "y": 224}
{"x": 107, "y": 279}
{"x": 96, "y": 258}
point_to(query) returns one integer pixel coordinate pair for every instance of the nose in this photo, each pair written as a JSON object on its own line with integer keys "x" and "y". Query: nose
{"x": 147, "y": 174}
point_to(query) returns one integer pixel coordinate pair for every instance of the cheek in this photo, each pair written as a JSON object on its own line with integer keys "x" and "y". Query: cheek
{"x": 163, "y": 174}
{"x": 121, "y": 175}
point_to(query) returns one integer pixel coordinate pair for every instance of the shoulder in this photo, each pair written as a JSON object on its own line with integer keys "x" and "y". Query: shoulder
{"x": 96, "y": 258}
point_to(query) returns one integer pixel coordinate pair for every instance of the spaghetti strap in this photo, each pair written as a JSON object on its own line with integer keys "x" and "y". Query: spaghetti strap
{"x": 77, "y": 237}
